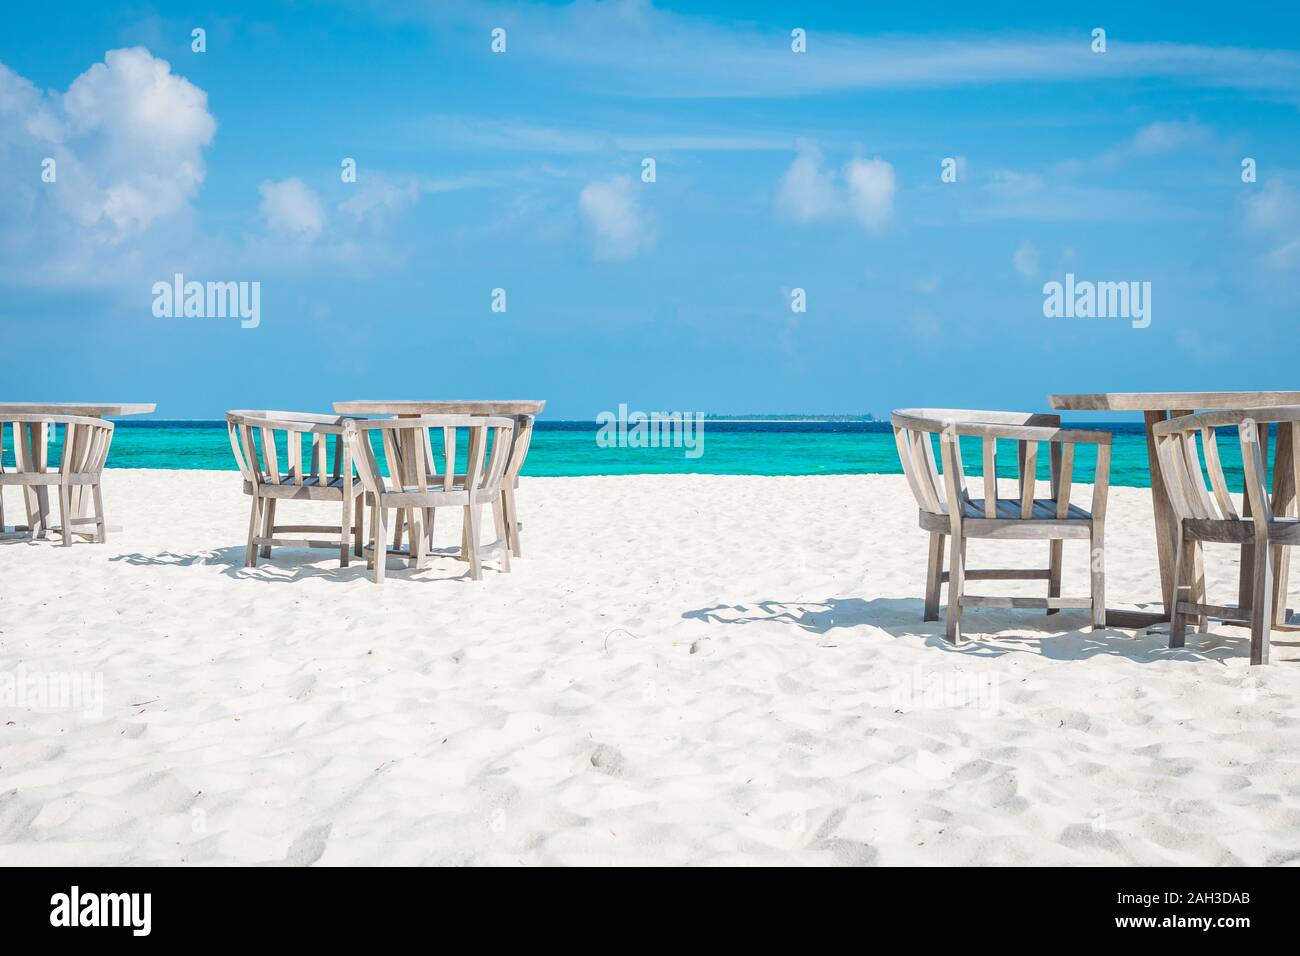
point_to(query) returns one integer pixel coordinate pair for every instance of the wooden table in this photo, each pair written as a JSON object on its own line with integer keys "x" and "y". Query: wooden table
{"x": 404, "y": 408}
{"x": 38, "y": 501}
{"x": 1157, "y": 407}
{"x": 522, "y": 411}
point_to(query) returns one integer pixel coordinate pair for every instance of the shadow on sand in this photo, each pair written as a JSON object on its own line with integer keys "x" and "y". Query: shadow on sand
{"x": 1066, "y": 636}
{"x": 288, "y": 565}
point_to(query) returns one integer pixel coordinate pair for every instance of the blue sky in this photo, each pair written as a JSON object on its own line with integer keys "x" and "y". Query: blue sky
{"x": 522, "y": 171}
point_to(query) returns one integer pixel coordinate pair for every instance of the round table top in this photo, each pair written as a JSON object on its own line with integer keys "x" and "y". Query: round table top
{"x": 412, "y": 407}
{"x": 88, "y": 409}
{"x": 1168, "y": 401}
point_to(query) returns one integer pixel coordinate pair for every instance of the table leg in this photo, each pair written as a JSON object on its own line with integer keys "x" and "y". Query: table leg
{"x": 1284, "y": 493}
{"x": 1245, "y": 585}
{"x": 36, "y": 456}
{"x": 1166, "y": 525}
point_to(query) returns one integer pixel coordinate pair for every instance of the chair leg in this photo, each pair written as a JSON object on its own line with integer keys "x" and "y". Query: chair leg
{"x": 499, "y": 524}
{"x": 370, "y": 561}
{"x": 471, "y": 541}
{"x": 512, "y": 518}
{"x": 956, "y": 588}
{"x": 65, "y": 514}
{"x": 933, "y": 577}
{"x": 359, "y": 526}
{"x": 398, "y": 514}
{"x": 1183, "y": 576}
{"x": 345, "y": 534}
{"x": 1261, "y": 607}
{"x": 1055, "y": 553}
{"x": 101, "y": 526}
{"x": 1097, "y": 573}
{"x": 429, "y": 515}
{"x": 1198, "y": 585}
{"x": 254, "y": 521}
{"x": 268, "y": 529}
{"x": 419, "y": 543}
{"x": 381, "y": 541}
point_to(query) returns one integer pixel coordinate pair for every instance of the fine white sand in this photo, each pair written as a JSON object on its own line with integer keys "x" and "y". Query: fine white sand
{"x": 699, "y": 670}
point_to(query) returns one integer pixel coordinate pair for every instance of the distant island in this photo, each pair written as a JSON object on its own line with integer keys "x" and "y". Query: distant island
{"x": 787, "y": 417}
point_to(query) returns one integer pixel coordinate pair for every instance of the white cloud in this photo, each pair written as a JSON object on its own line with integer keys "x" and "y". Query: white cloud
{"x": 1025, "y": 260}
{"x": 872, "y": 184}
{"x": 612, "y": 213}
{"x": 127, "y": 139}
{"x": 292, "y": 209}
{"x": 807, "y": 193}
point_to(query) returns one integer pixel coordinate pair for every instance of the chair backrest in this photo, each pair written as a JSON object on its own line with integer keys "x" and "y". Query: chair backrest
{"x": 408, "y": 462}
{"x": 1181, "y": 460}
{"x": 255, "y": 437}
{"x": 914, "y": 431}
{"x": 85, "y": 442}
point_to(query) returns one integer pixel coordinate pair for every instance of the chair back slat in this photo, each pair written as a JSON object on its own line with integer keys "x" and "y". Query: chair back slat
{"x": 520, "y": 440}
{"x": 418, "y": 459}
{"x": 363, "y": 456}
{"x": 501, "y": 431}
{"x": 392, "y": 459}
{"x": 449, "y": 458}
{"x": 474, "y": 457}
{"x": 1214, "y": 466}
{"x": 903, "y": 441}
{"x": 921, "y": 453}
{"x": 1295, "y": 462}
{"x": 1253, "y": 436}
{"x": 1198, "y": 494}
{"x": 1064, "y": 478}
{"x": 1028, "y": 477}
{"x": 293, "y": 448}
{"x": 270, "y": 460}
{"x": 236, "y": 429}
{"x": 990, "y": 477}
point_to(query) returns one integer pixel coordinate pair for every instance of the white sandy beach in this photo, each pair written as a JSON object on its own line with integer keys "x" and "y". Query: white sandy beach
{"x": 681, "y": 670}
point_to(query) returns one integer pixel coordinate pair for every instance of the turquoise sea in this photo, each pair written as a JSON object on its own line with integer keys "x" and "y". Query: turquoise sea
{"x": 729, "y": 448}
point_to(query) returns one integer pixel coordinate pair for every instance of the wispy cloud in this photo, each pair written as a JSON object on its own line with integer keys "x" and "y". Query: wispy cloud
{"x": 641, "y": 49}
{"x": 468, "y": 132}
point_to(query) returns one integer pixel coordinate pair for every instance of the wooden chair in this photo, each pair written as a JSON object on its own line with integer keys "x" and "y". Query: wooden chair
{"x": 1261, "y": 528}
{"x": 253, "y": 439}
{"x": 409, "y": 483}
{"x": 948, "y": 510}
{"x": 522, "y": 438}
{"x": 81, "y": 464}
